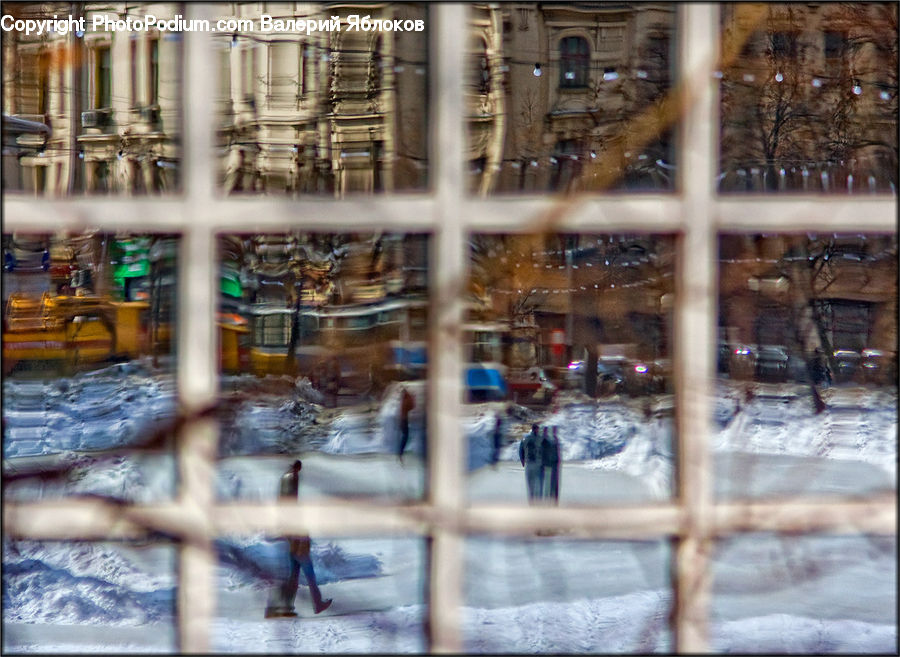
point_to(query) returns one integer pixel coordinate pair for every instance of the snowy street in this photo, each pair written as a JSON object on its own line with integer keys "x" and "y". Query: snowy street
{"x": 538, "y": 594}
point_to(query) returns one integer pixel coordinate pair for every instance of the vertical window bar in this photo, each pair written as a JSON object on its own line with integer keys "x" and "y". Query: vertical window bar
{"x": 695, "y": 323}
{"x": 197, "y": 371}
{"x": 445, "y": 447}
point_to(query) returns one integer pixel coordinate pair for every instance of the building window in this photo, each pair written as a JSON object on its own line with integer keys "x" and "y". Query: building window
{"x": 375, "y": 68}
{"x": 835, "y": 44}
{"x": 574, "y": 62}
{"x": 248, "y": 72}
{"x": 784, "y": 45}
{"x": 304, "y": 85}
{"x": 480, "y": 70}
{"x": 102, "y": 80}
{"x": 135, "y": 78}
{"x": 282, "y": 69}
{"x": 153, "y": 45}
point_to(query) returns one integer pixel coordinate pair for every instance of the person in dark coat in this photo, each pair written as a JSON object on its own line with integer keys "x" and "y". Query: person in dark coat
{"x": 407, "y": 403}
{"x": 498, "y": 441}
{"x": 281, "y": 600}
{"x": 530, "y": 457}
{"x": 550, "y": 459}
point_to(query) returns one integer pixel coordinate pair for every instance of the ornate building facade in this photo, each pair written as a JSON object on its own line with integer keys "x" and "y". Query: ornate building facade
{"x": 569, "y": 96}
{"x": 92, "y": 111}
{"x": 327, "y": 112}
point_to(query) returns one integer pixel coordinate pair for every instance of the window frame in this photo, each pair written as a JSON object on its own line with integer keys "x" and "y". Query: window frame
{"x": 579, "y": 61}
{"x": 692, "y": 519}
{"x": 101, "y": 90}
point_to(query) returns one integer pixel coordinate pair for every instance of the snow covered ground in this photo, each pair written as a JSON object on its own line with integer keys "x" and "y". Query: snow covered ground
{"x": 544, "y": 594}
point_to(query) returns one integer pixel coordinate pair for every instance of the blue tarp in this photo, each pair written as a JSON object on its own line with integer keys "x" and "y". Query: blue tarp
{"x": 481, "y": 378}
{"x": 410, "y": 356}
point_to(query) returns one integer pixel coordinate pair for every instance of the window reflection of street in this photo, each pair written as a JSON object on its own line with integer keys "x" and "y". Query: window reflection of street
{"x": 572, "y": 333}
{"x": 810, "y": 103}
{"x": 88, "y": 364}
{"x": 807, "y": 364}
{"x": 555, "y": 92}
{"x": 323, "y": 113}
{"x": 320, "y": 335}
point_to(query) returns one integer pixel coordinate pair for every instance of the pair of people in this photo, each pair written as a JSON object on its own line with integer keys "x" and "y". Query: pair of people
{"x": 281, "y": 598}
{"x": 540, "y": 456}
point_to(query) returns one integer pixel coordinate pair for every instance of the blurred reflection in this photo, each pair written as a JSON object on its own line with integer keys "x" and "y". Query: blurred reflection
{"x": 567, "y": 343}
{"x": 322, "y": 112}
{"x": 88, "y": 337}
{"x": 809, "y": 102}
{"x": 88, "y": 597}
{"x": 323, "y": 352}
{"x": 95, "y": 111}
{"x": 570, "y": 97}
{"x": 377, "y": 584}
{"x": 804, "y": 594}
{"x": 807, "y": 362}
{"x": 555, "y": 595}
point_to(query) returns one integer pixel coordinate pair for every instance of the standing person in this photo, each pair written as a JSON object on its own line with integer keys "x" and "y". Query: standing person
{"x": 530, "y": 456}
{"x": 281, "y": 600}
{"x": 552, "y": 463}
{"x": 549, "y": 463}
{"x": 498, "y": 441}
{"x": 407, "y": 403}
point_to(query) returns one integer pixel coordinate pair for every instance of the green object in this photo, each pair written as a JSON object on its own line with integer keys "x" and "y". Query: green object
{"x": 230, "y": 285}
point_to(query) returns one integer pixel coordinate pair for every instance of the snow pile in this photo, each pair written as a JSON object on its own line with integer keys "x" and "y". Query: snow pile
{"x": 106, "y": 408}
{"x": 783, "y": 633}
{"x": 858, "y": 424}
{"x": 634, "y": 622}
{"x": 398, "y": 630}
{"x": 613, "y": 435}
{"x": 84, "y": 583}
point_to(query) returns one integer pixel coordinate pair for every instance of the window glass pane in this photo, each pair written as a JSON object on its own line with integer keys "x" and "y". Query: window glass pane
{"x": 77, "y": 115}
{"x": 571, "y": 333}
{"x": 322, "y": 338}
{"x": 807, "y": 385}
{"x": 809, "y": 98}
{"x": 88, "y": 597}
{"x": 375, "y": 585}
{"x": 89, "y": 393}
{"x": 556, "y": 595}
{"x": 570, "y": 97}
{"x": 804, "y": 594}
{"x": 322, "y": 112}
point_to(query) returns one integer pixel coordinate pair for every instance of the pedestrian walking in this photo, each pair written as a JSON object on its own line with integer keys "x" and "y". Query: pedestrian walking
{"x": 530, "y": 457}
{"x": 281, "y": 598}
{"x": 407, "y": 403}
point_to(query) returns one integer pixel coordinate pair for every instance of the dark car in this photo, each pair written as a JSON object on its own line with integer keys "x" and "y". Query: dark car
{"x": 771, "y": 363}
{"x": 846, "y": 363}
{"x": 742, "y": 362}
{"x": 878, "y": 367}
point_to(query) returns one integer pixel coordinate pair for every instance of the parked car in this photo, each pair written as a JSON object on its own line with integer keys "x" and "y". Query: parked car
{"x": 723, "y": 357}
{"x": 878, "y": 367}
{"x": 771, "y": 363}
{"x": 742, "y": 363}
{"x": 610, "y": 374}
{"x": 530, "y": 386}
{"x": 639, "y": 377}
{"x": 797, "y": 368}
{"x": 846, "y": 364}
